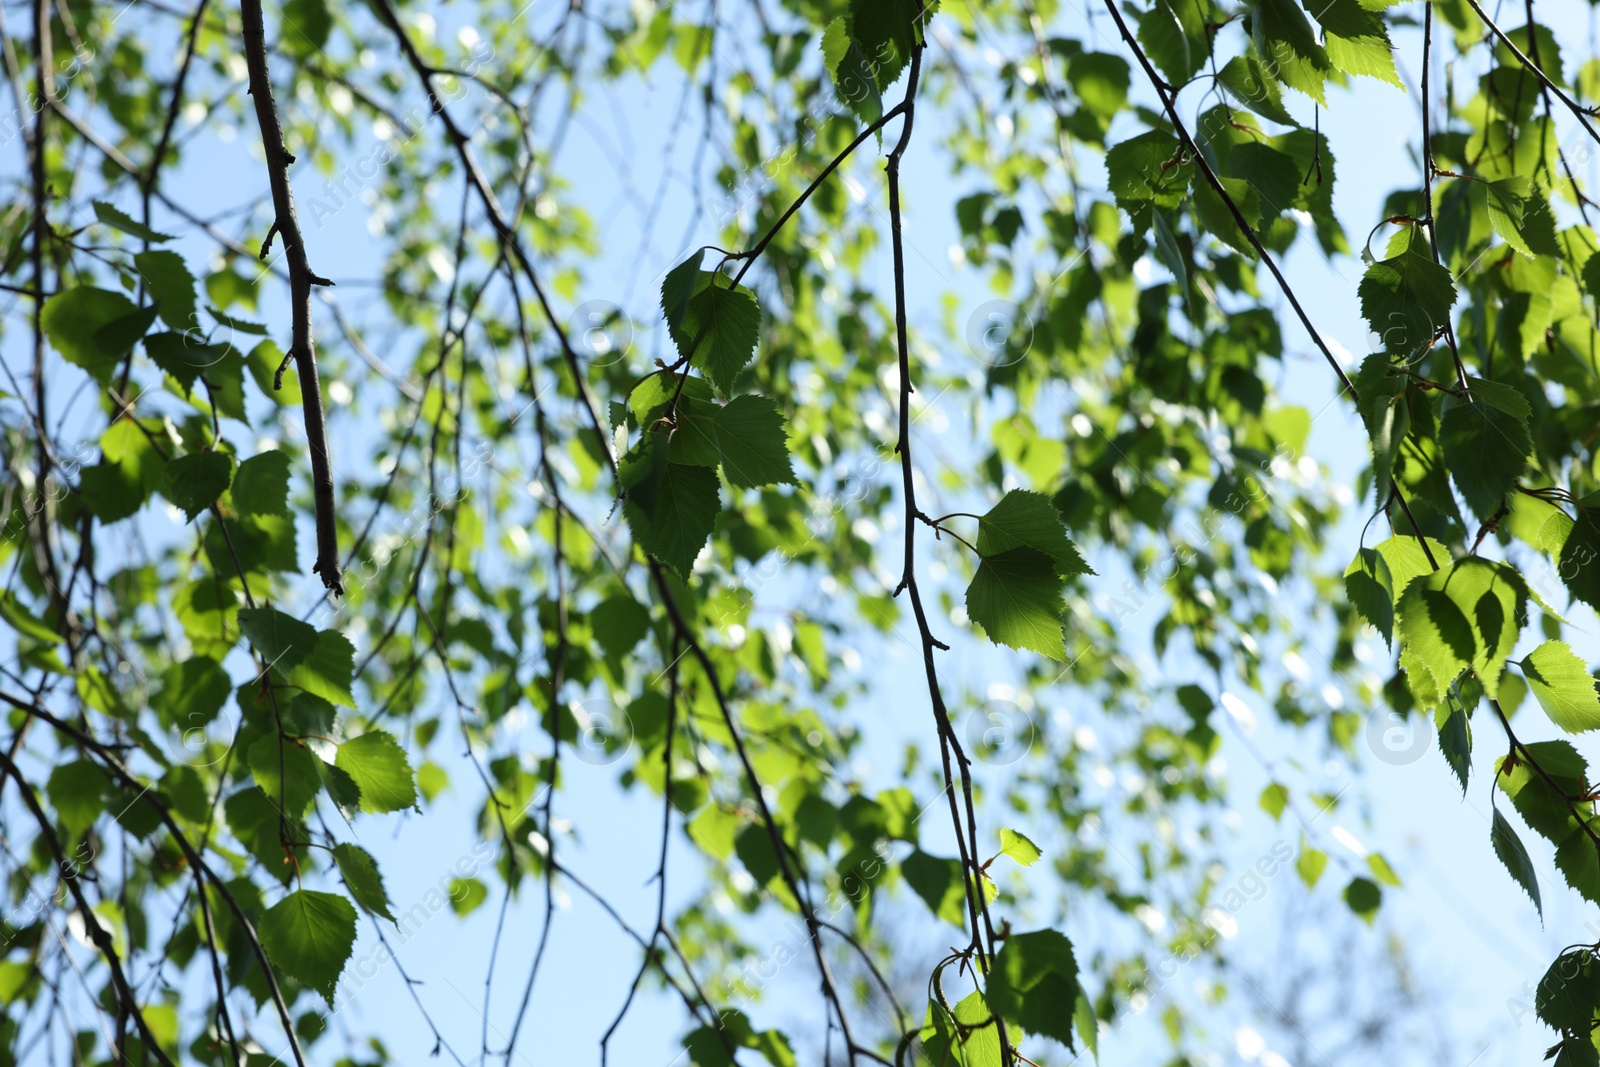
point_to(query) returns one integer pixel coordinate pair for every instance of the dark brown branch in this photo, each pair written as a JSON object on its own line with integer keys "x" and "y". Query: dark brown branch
{"x": 302, "y": 347}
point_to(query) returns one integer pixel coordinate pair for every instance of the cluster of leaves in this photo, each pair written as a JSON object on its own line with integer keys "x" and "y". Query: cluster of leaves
{"x": 185, "y": 716}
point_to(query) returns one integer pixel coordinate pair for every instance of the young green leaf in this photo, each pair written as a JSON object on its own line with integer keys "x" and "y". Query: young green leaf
{"x": 1563, "y": 686}
{"x": 282, "y": 640}
{"x": 1363, "y": 896}
{"x": 1274, "y": 798}
{"x": 719, "y": 329}
{"x": 261, "y": 485}
{"x": 114, "y": 218}
{"x": 467, "y": 895}
{"x": 1487, "y": 444}
{"x": 1407, "y": 298}
{"x": 362, "y": 878}
{"x": 1016, "y": 598}
{"x": 1465, "y": 615}
{"x": 1579, "y": 566}
{"x": 678, "y": 287}
{"x": 1289, "y": 48}
{"x": 71, "y": 319}
{"x": 1035, "y": 977}
{"x": 327, "y": 670}
{"x": 1310, "y": 864}
{"x": 752, "y": 444}
{"x": 286, "y": 772}
{"x": 1019, "y": 848}
{"x": 938, "y": 882}
{"x": 308, "y": 936}
{"x": 194, "y": 482}
{"x": 378, "y": 766}
{"x": 172, "y": 286}
{"x": 679, "y": 508}
{"x": 1508, "y": 846}
{"x": 1029, "y": 520}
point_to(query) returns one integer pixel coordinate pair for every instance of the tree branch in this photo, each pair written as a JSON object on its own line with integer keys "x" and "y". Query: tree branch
{"x": 302, "y": 348}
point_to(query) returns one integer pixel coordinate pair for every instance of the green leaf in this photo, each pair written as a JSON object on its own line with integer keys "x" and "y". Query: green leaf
{"x": 719, "y": 330}
{"x": 852, "y": 73}
{"x": 194, "y": 482}
{"x": 1455, "y": 742}
{"x": 752, "y": 443}
{"x": 1507, "y": 199}
{"x": 171, "y": 285}
{"x": 1274, "y": 798}
{"x": 378, "y": 765}
{"x": 296, "y": 788}
{"x": 678, "y": 287}
{"x": 1407, "y": 298}
{"x": 187, "y": 358}
{"x": 1579, "y": 565}
{"x": 1563, "y": 686}
{"x": 1357, "y": 40}
{"x": 109, "y": 215}
{"x": 1273, "y": 175}
{"x": 25, "y": 622}
{"x": 1310, "y": 864}
{"x": 886, "y": 32}
{"x": 1168, "y": 250}
{"x": 77, "y": 791}
{"x": 327, "y": 669}
{"x": 1364, "y": 896}
{"x": 671, "y": 508}
{"x": 1284, "y": 38}
{"x": 966, "y": 1036}
{"x": 1146, "y": 169}
{"x": 307, "y": 24}
{"x": 261, "y": 485}
{"x": 1465, "y": 615}
{"x": 282, "y": 640}
{"x": 258, "y": 823}
{"x": 1381, "y": 870}
{"x": 1486, "y": 444}
{"x": 1034, "y": 978}
{"x": 619, "y": 623}
{"x": 1016, "y": 598}
{"x": 1508, "y": 846}
{"x": 308, "y": 936}
{"x": 1029, "y": 520}
{"x": 1543, "y": 805}
{"x": 1019, "y": 848}
{"x": 1174, "y": 36}
{"x": 1385, "y": 408}
{"x": 467, "y": 895}
{"x": 1569, "y": 991}
{"x": 362, "y": 878}
{"x": 72, "y": 318}
{"x": 938, "y": 882}
{"x": 1100, "y": 82}
{"x": 1087, "y": 1025}
{"x": 1246, "y": 81}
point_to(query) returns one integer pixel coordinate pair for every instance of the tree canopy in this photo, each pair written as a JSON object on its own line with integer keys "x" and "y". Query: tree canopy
{"x": 375, "y": 457}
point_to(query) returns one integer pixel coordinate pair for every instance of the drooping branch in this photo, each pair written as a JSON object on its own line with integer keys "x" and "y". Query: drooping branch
{"x": 983, "y": 935}
{"x": 302, "y": 346}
